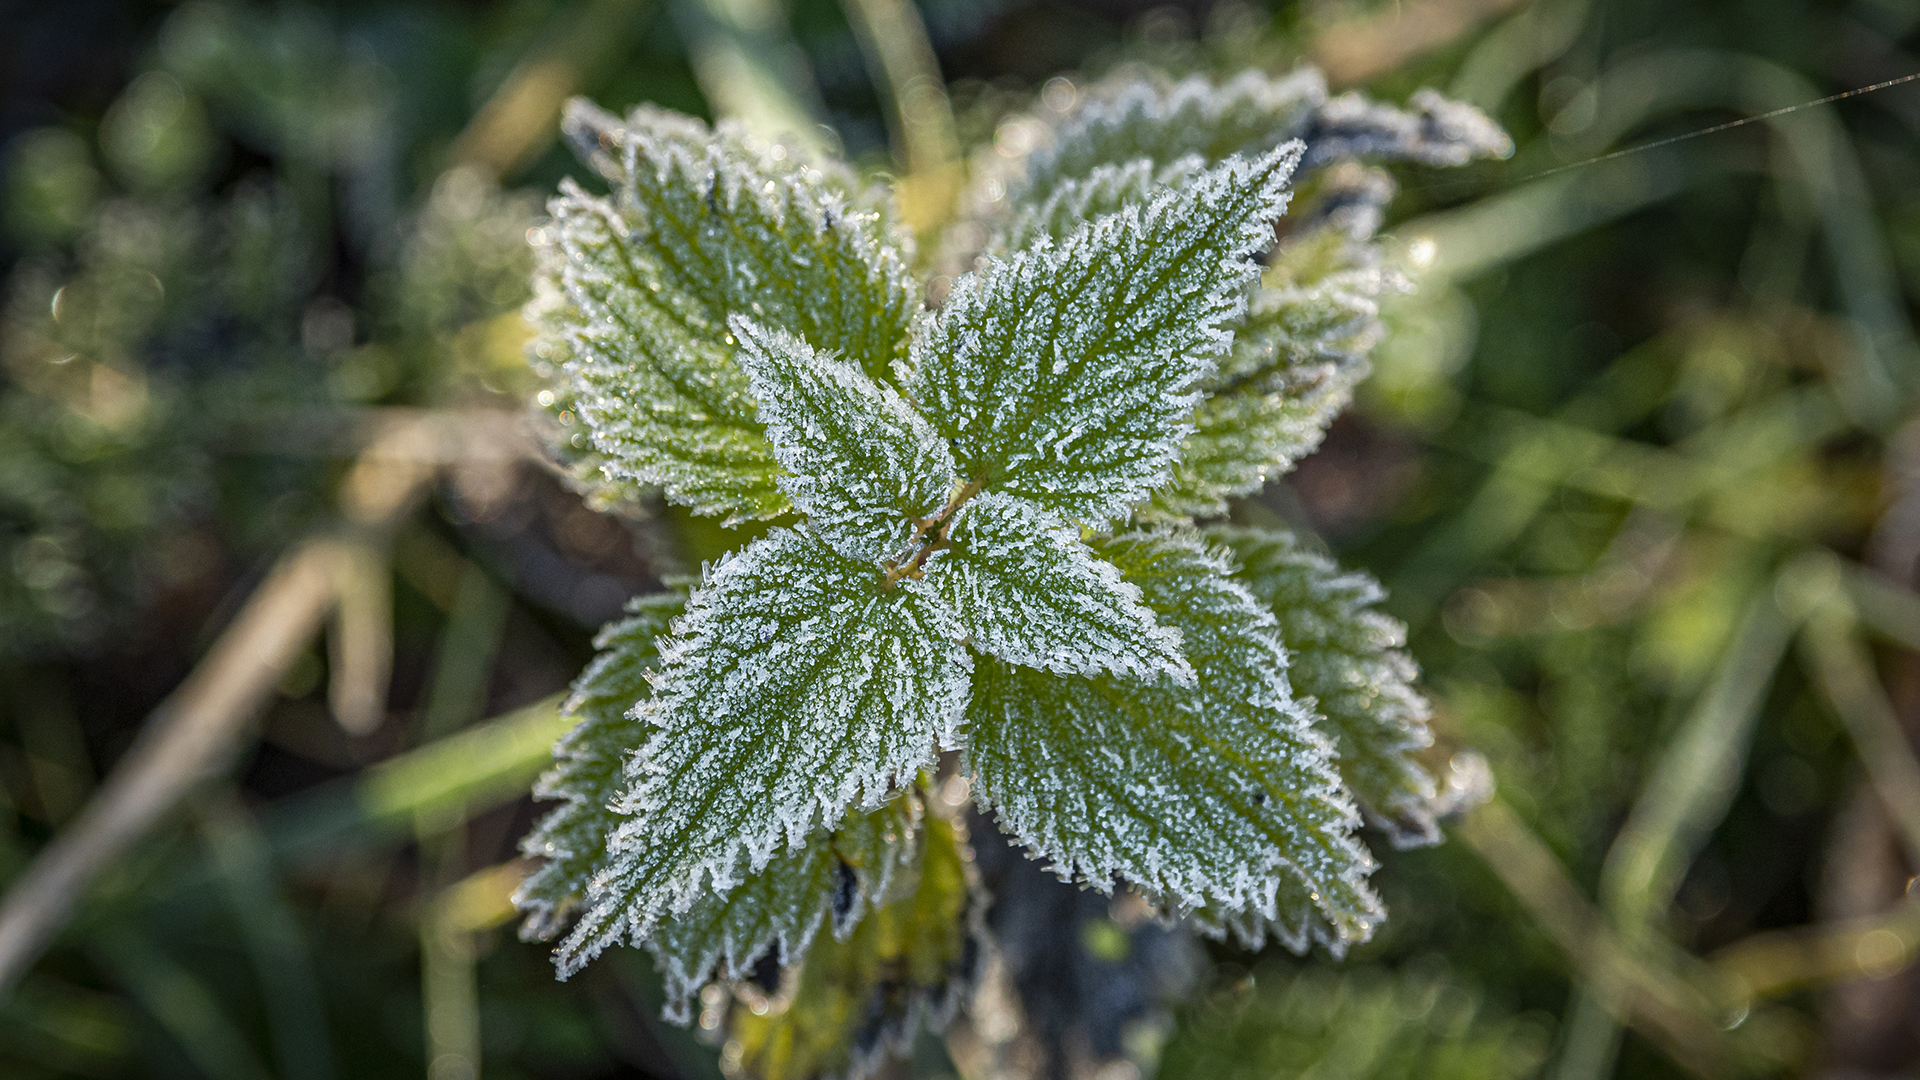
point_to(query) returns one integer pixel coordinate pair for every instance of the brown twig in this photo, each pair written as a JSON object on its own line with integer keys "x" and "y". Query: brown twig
{"x": 197, "y": 732}
{"x": 913, "y": 558}
{"x": 1778, "y": 961}
{"x": 192, "y": 735}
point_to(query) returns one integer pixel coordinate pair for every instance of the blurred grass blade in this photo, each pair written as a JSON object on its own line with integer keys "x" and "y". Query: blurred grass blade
{"x": 1781, "y": 961}
{"x": 64, "y": 1028}
{"x": 1659, "y": 1004}
{"x": 1876, "y": 385}
{"x": 1509, "y": 226}
{"x": 1844, "y": 671}
{"x": 360, "y": 639}
{"x": 920, "y": 124}
{"x": 483, "y": 766}
{"x": 182, "y": 1004}
{"x": 750, "y": 69}
{"x": 449, "y": 989}
{"x": 1686, "y": 794}
{"x": 465, "y": 656}
{"x": 1694, "y": 780}
{"x": 522, "y": 117}
{"x": 1884, "y": 606}
{"x": 282, "y": 962}
{"x": 193, "y": 734}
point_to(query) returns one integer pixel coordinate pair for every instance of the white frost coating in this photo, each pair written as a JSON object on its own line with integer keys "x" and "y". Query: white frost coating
{"x": 794, "y": 688}
{"x": 1221, "y": 798}
{"x": 1250, "y": 114}
{"x": 1027, "y": 591}
{"x": 1067, "y": 375}
{"x": 854, "y": 456}
{"x": 834, "y": 876}
{"x": 1296, "y": 358}
{"x": 701, "y": 225}
{"x": 588, "y": 769}
{"x": 1105, "y": 190}
{"x": 1349, "y": 658}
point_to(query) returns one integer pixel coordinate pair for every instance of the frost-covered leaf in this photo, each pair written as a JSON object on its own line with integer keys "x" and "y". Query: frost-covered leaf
{"x": 1349, "y": 658}
{"x": 1250, "y": 114}
{"x": 852, "y": 1001}
{"x": 1027, "y": 591}
{"x": 1143, "y": 120}
{"x": 1065, "y": 374}
{"x": 1108, "y": 189}
{"x": 1218, "y": 796}
{"x": 854, "y": 456}
{"x": 794, "y": 688}
{"x": 701, "y": 225}
{"x": 836, "y": 875}
{"x": 588, "y": 771}
{"x": 1299, "y": 352}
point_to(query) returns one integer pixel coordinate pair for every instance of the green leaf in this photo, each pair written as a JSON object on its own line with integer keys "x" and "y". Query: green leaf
{"x": 1349, "y": 658}
{"x": 1220, "y": 796}
{"x": 852, "y": 1001}
{"x": 1251, "y": 114}
{"x": 854, "y": 456}
{"x": 1141, "y": 120}
{"x": 1065, "y": 375}
{"x": 837, "y": 875}
{"x": 795, "y": 687}
{"x": 1299, "y": 353}
{"x": 1108, "y": 189}
{"x": 589, "y": 765}
{"x": 743, "y": 226}
{"x": 701, "y": 225}
{"x": 1029, "y": 592}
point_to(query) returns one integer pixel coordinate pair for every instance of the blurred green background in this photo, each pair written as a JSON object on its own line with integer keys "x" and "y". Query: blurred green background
{"x": 1637, "y": 466}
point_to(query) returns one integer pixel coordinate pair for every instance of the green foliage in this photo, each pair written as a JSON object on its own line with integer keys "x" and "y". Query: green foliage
{"x": 636, "y": 288}
{"x": 1026, "y": 590}
{"x": 1365, "y": 1025}
{"x": 1064, "y": 374}
{"x": 837, "y": 875}
{"x": 794, "y": 688}
{"x": 590, "y": 765}
{"x": 1586, "y": 452}
{"x": 859, "y": 996}
{"x": 854, "y": 457}
{"x": 1219, "y": 797}
{"x": 1302, "y": 343}
{"x": 734, "y": 328}
{"x": 1347, "y": 659}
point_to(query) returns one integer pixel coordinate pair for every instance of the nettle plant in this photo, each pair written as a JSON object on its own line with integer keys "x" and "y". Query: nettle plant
{"x": 990, "y": 576}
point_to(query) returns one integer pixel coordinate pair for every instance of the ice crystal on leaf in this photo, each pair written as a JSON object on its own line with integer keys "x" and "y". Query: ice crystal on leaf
{"x": 588, "y": 772}
{"x": 1347, "y": 657}
{"x": 864, "y": 994}
{"x": 854, "y": 457}
{"x": 1066, "y": 374}
{"x": 1027, "y": 591}
{"x": 794, "y": 688}
{"x": 1222, "y": 796}
{"x": 1146, "y": 120}
{"x": 988, "y": 545}
{"x": 834, "y": 878}
{"x": 639, "y": 284}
